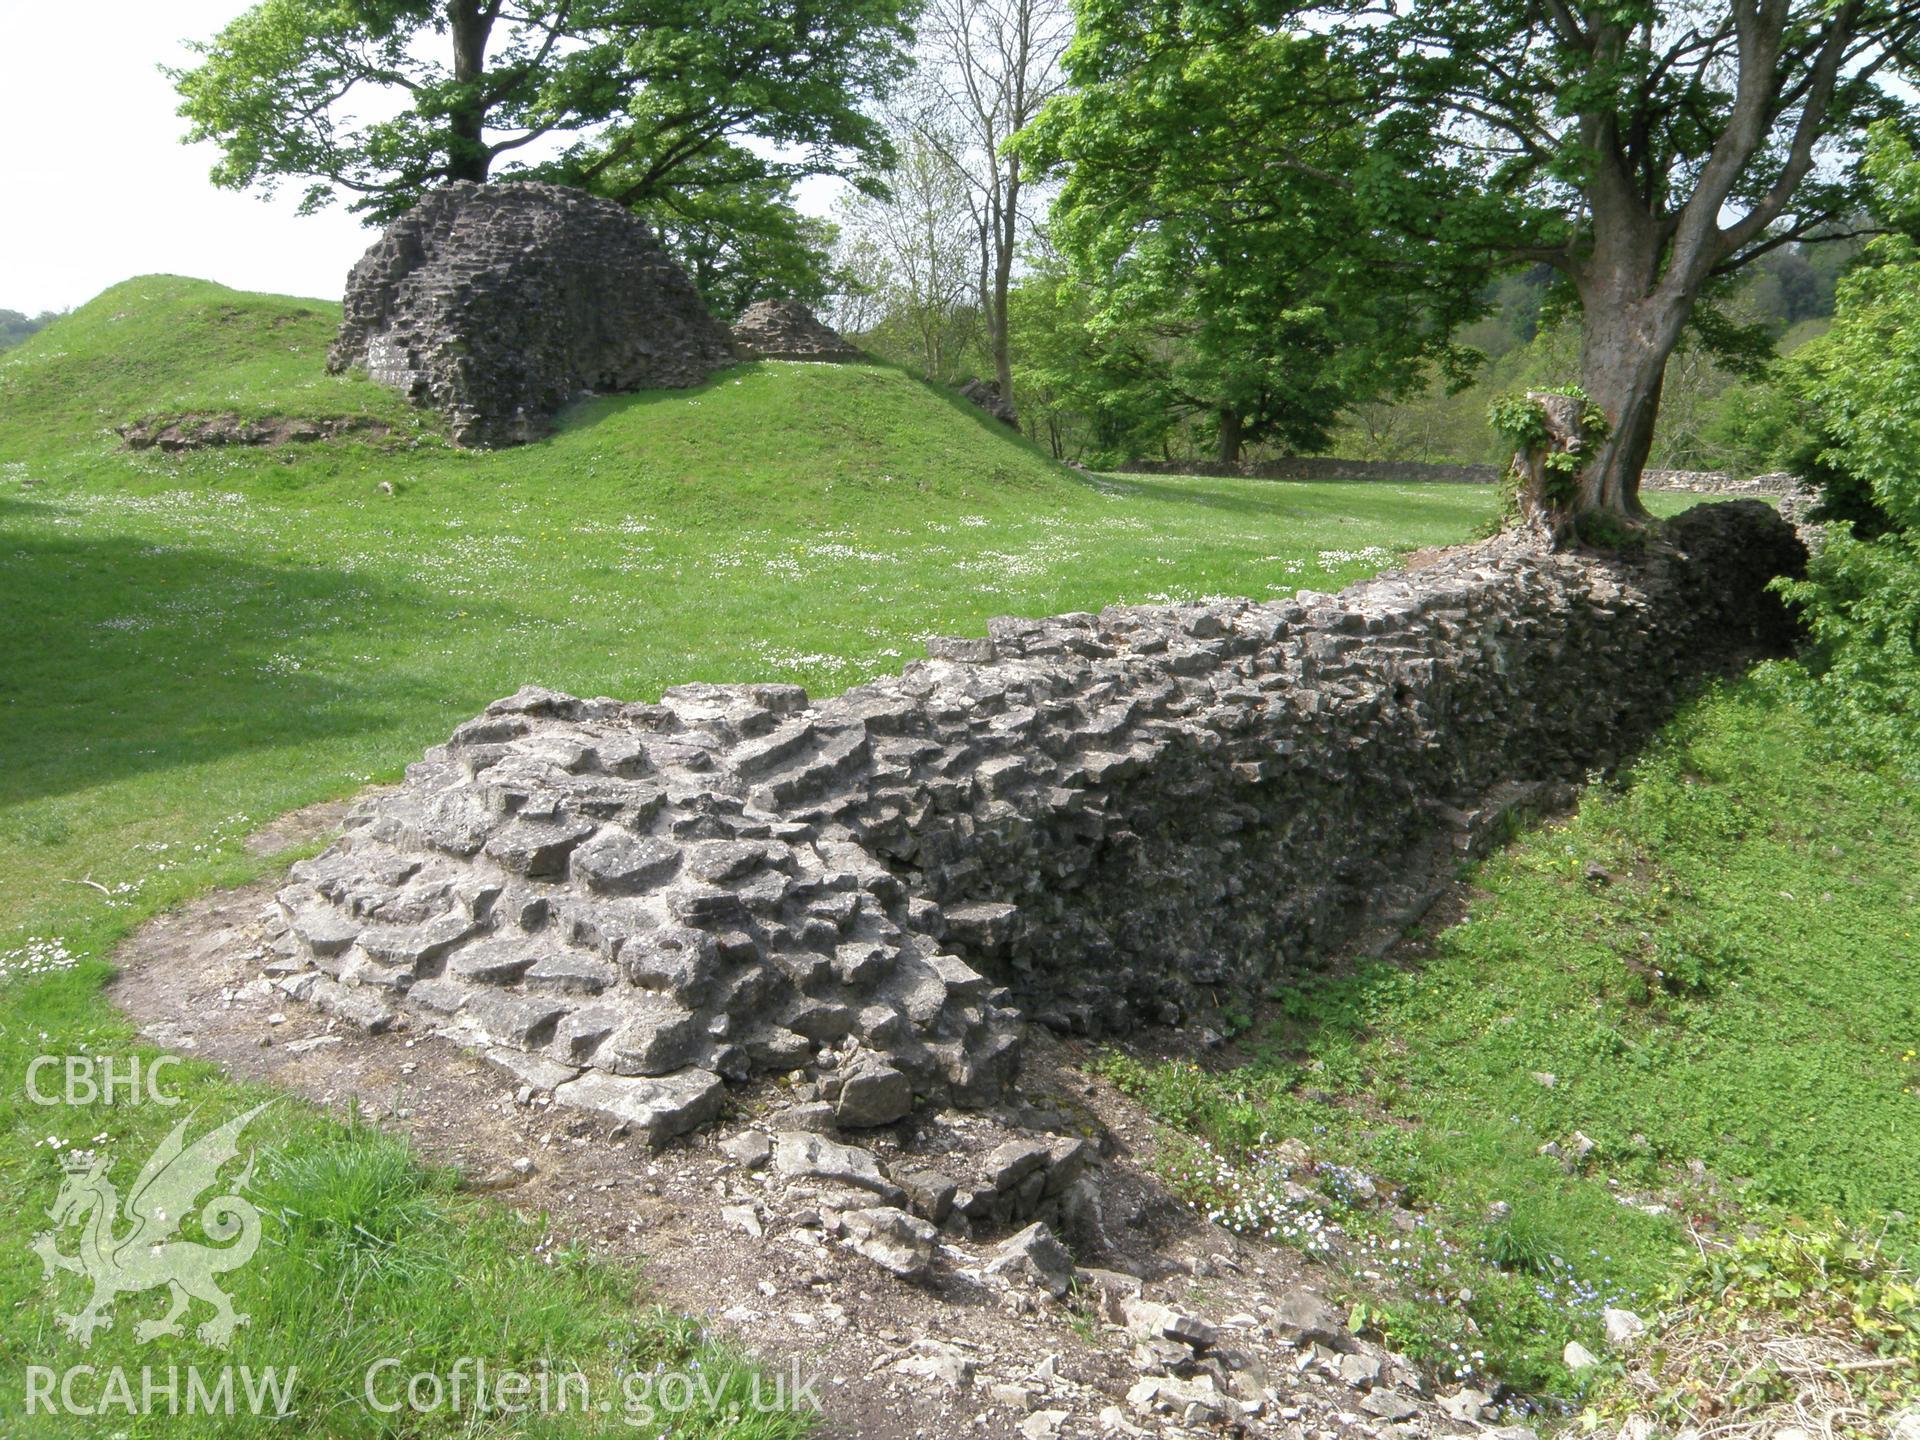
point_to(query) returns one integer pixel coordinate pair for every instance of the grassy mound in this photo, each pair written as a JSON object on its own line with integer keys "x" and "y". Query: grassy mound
{"x": 757, "y": 435}
{"x": 201, "y": 642}
{"x": 166, "y": 346}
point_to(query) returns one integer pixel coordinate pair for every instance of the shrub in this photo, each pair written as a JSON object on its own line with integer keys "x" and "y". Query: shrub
{"x": 1861, "y": 602}
{"x": 1861, "y": 597}
{"x": 1816, "y": 1325}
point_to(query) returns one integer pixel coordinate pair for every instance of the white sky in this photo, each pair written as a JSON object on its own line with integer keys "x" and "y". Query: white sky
{"x": 95, "y": 186}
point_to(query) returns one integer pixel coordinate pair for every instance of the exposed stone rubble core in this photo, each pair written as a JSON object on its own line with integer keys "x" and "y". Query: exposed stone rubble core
{"x": 787, "y": 330}
{"x": 1141, "y": 815}
{"x": 986, "y": 394}
{"x": 1170, "y": 1326}
{"x": 209, "y": 432}
{"x": 497, "y": 304}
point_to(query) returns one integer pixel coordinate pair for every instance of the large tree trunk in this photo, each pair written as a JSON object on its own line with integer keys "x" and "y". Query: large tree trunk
{"x": 471, "y": 22}
{"x": 1582, "y": 469}
{"x": 1230, "y": 429}
{"x": 986, "y": 231}
{"x": 1005, "y": 239}
{"x": 1624, "y": 350}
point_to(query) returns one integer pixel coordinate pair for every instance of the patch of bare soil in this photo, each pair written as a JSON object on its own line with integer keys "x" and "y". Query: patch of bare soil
{"x": 1171, "y": 1325}
{"x": 1432, "y": 555}
{"x": 304, "y": 827}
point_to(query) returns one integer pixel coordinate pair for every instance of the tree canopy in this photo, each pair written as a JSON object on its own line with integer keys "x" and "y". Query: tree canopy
{"x": 16, "y": 326}
{"x": 1643, "y": 151}
{"x": 1646, "y": 151}
{"x": 379, "y": 100}
{"x": 1200, "y": 152}
{"x": 728, "y": 216}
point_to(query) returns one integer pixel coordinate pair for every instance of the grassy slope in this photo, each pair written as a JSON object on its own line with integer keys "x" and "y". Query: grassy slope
{"x": 1715, "y": 961}
{"x": 161, "y": 346}
{"x": 196, "y": 644}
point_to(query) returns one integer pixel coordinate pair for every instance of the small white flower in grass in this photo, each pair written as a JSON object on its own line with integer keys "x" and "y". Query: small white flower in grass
{"x": 1334, "y": 559}
{"x": 37, "y": 955}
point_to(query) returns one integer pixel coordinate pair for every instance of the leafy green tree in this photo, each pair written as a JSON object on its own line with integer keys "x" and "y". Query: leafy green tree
{"x": 1207, "y": 191}
{"x": 1856, "y": 386}
{"x": 16, "y": 327}
{"x": 729, "y": 217}
{"x": 1760, "y": 426}
{"x": 1516, "y": 303}
{"x": 380, "y": 100}
{"x": 1646, "y": 151}
{"x": 740, "y": 248}
{"x": 1092, "y": 387}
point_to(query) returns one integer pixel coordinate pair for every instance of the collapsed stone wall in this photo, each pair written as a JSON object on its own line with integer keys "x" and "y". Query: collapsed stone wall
{"x": 212, "y": 432}
{"x": 1146, "y": 814}
{"x": 986, "y": 395}
{"x": 787, "y": 330}
{"x": 497, "y": 304}
{"x": 1718, "y": 482}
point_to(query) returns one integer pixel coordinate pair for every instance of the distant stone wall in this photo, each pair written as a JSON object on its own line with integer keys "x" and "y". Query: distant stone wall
{"x": 1148, "y": 814}
{"x": 497, "y": 304}
{"x": 1320, "y": 467}
{"x": 1410, "y": 472}
{"x": 1715, "y": 482}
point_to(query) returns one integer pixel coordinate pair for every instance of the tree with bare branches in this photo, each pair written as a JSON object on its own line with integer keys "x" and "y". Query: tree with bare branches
{"x": 907, "y": 255}
{"x": 987, "y": 67}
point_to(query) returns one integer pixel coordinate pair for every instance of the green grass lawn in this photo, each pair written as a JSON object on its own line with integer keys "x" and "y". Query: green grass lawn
{"x": 196, "y": 644}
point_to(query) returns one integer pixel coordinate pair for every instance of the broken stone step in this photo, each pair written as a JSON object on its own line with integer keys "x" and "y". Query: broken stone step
{"x": 656, "y": 1108}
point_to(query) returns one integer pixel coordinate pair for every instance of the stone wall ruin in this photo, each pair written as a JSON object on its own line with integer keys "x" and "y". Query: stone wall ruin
{"x": 497, "y": 304}
{"x": 1150, "y": 814}
{"x": 787, "y": 330}
{"x": 1419, "y": 472}
{"x": 986, "y": 395}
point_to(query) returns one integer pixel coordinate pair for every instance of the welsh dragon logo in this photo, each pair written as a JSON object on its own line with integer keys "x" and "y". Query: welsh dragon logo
{"x": 149, "y": 1254}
